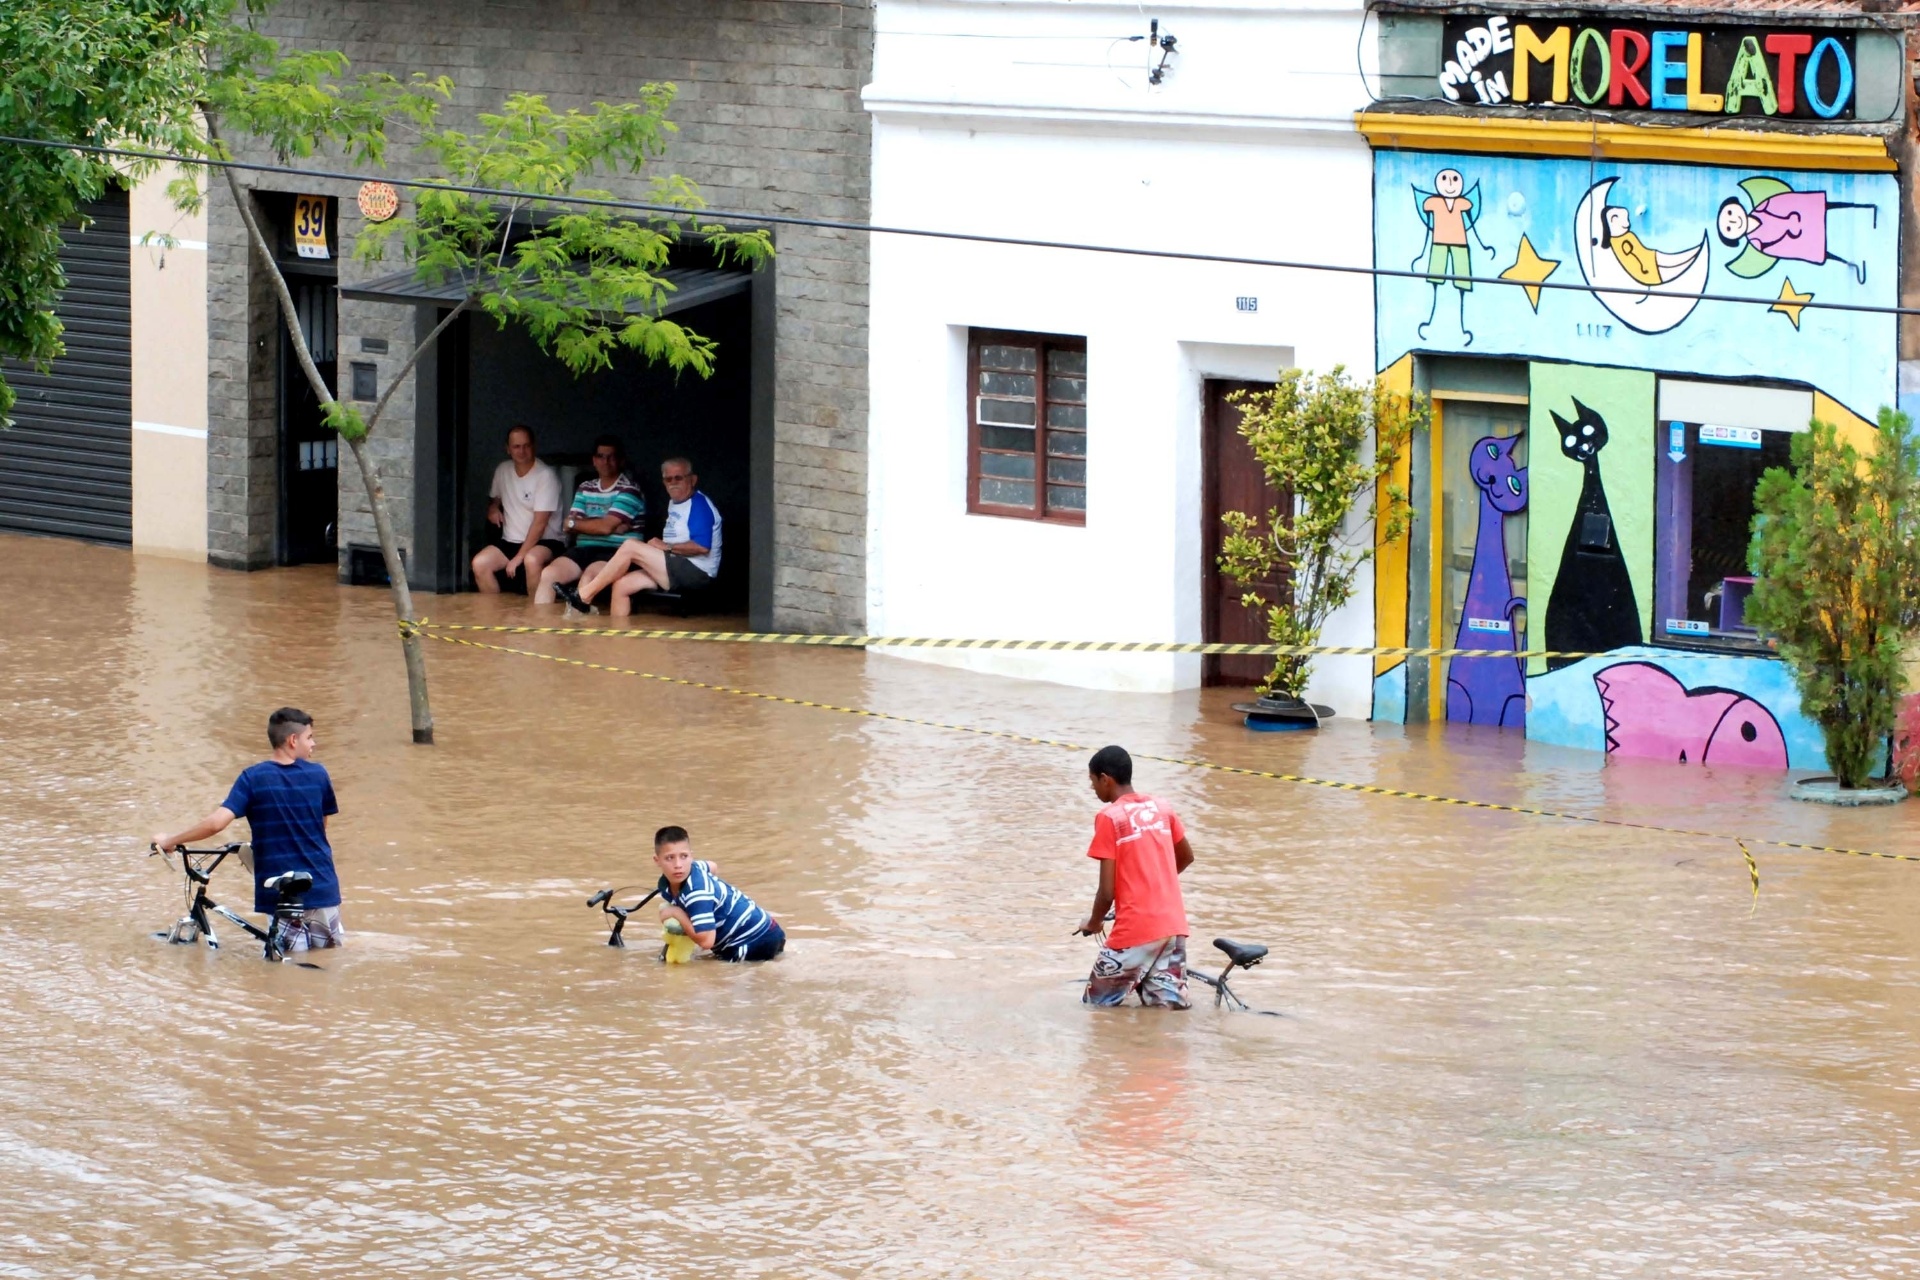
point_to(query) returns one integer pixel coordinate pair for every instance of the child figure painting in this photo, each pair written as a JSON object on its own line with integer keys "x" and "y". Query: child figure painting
{"x": 1449, "y": 211}
{"x": 1777, "y": 223}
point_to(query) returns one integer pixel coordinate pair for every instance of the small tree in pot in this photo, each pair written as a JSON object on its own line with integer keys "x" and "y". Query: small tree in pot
{"x": 1311, "y": 437}
{"x": 1836, "y": 548}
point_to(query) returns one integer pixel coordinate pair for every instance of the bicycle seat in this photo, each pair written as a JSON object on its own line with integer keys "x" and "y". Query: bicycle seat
{"x": 1244, "y": 954}
{"x": 289, "y": 884}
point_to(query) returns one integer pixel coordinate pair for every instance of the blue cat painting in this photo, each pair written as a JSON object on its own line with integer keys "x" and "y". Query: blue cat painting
{"x": 1491, "y": 690}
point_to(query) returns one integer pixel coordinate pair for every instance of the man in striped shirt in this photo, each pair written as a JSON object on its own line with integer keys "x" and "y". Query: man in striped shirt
{"x": 718, "y": 917}
{"x": 606, "y": 512}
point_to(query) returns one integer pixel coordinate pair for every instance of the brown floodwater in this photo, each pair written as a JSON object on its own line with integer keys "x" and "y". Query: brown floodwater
{"x": 1510, "y": 1047}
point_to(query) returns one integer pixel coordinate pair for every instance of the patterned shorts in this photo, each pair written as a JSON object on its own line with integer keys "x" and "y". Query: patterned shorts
{"x": 315, "y": 930}
{"x": 1157, "y": 970}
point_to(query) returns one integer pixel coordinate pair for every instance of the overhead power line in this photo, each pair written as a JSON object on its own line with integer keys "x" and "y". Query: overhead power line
{"x": 927, "y": 233}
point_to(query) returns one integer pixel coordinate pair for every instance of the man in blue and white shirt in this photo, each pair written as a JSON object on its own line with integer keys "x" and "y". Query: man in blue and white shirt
{"x": 718, "y": 917}
{"x": 685, "y": 557}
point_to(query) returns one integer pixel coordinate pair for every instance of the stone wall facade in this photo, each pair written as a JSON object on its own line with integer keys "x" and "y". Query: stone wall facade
{"x": 770, "y": 122}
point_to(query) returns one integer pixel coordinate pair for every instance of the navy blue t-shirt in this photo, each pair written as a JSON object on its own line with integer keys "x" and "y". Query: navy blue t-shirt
{"x": 287, "y": 806}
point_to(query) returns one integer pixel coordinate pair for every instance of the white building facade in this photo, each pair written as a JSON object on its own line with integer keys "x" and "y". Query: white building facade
{"x": 1046, "y": 423}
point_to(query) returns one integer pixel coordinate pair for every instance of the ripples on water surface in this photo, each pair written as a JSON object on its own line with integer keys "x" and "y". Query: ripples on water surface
{"x": 1512, "y": 1047}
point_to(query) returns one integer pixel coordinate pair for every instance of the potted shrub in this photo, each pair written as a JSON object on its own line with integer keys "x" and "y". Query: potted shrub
{"x": 1325, "y": 442}
{"x": 1836, "y": 549}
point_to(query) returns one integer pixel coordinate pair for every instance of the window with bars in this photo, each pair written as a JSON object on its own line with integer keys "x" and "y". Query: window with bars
{"x": 1027, "y": 454}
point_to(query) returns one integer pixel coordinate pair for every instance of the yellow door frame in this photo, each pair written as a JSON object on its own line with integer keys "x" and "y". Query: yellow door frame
{"x": 1436, "y": 565}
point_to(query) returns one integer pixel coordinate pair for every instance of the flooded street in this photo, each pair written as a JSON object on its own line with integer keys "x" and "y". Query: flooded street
{"x": 1511, "y": 1046}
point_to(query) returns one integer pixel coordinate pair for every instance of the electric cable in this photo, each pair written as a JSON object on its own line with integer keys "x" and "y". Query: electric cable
{"x": 749, "y": 218}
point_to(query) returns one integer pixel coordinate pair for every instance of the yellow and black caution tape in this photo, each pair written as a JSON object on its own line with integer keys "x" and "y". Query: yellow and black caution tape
{"x": 1753, "y": 869}
{"x": 426, "y": 625}
{"x": 1195, "y": 762}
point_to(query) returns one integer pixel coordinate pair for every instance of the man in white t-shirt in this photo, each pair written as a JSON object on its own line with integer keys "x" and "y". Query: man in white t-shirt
{"x": 685, "y": 557}
{"x": 522, "y": 502}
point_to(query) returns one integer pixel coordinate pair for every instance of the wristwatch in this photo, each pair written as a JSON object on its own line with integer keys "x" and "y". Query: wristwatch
{"x": 570, "y": 522}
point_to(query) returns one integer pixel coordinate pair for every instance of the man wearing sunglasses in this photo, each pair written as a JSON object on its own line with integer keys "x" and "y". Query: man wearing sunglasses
{"x": 606, "y": 512}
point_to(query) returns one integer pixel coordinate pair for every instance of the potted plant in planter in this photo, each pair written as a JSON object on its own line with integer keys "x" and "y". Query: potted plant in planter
{"x": 1325, "y": 442}
{"x": 1836, "y": 549}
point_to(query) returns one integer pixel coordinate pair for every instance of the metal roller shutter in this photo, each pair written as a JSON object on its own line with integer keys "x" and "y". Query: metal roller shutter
{"x": 66, "y": 467}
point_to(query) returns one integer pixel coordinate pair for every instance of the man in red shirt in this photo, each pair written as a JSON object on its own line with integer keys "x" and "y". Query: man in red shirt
{"x": 1142, "y": 849}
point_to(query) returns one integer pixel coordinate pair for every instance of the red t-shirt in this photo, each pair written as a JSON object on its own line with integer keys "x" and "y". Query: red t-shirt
{"x": 1138, "y": 833}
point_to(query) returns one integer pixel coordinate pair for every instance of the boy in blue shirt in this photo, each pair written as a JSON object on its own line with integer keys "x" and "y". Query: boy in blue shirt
{"x": 286, "y": 800}
{"x": 717, "y": 916}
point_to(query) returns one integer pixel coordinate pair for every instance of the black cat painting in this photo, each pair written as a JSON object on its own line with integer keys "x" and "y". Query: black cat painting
{"x": 1591, "y": 607}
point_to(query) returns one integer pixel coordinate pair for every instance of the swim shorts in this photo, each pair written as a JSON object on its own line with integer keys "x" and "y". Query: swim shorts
{"x": 1156, "y": 970}
{"x": 770, "y": 942}
{"x": 315, "y": 930}
{"x": 684, "y": 575}
{"x": 585, "y": 557}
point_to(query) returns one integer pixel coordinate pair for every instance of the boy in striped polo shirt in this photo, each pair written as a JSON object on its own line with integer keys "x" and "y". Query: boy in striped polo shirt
{"x": 718, "y": 917}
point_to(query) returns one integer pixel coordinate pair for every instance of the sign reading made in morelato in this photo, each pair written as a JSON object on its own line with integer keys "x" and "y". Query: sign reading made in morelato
{"x": 1599, "y": 62}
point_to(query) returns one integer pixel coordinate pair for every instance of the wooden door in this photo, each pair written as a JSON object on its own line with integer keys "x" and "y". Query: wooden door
{"x": 1232, "y": 481}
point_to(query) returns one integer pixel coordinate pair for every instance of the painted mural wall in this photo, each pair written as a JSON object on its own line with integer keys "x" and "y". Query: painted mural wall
{"x": 1643, "y": 243}
{"x": 1647, "y": 245}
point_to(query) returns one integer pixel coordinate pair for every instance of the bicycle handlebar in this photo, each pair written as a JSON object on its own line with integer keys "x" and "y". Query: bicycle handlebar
{"x": 604, "y": 901}
{"x": 197, "y": 876}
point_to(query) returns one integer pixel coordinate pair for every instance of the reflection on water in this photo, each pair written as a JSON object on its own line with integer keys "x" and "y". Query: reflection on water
{"x": 1511, "y": 1047}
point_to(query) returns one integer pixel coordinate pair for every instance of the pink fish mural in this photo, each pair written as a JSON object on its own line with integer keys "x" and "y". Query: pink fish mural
{"x": 1651, "y": 714}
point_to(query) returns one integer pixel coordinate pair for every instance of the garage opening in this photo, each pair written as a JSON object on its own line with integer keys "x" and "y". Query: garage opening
{"x": 66, "y": 467}
{"x": 484, "y": 380}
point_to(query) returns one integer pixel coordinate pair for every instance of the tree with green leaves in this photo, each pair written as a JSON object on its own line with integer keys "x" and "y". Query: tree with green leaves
{"x": 1326, "y": 444}
{"x": 99, "y": 73}
{"x": 1836, "y": 551}
{"x": 583, "y": 281}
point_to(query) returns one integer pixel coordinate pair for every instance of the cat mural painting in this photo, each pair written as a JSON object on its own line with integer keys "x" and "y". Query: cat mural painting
{"x": 1491, "y": 690}
{"x": 1591, "y": 608}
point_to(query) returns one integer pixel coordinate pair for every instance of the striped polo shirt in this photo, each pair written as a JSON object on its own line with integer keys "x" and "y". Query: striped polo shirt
{"x": 593, "y": 500}
{"x": 713, "y": 904}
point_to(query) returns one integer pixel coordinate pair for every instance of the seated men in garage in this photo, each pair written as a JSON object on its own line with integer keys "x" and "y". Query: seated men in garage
{"x": 523, "y": 501}
{"x": 685, "y": 557}
{"x": 606, "y": 512}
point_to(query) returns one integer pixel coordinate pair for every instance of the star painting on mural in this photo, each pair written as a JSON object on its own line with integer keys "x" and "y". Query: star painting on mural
{"x": 1791, "y": 303}
{"x": 1530, "y": 270}
{"x": 1450, "y": 211}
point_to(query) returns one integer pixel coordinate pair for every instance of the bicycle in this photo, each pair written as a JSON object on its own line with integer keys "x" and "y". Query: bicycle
{"x": 1240, "y": 955}
{"x": 288, "y": 888}
{"x": 676, "y": 948}
{"x": 604, "y": 901}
